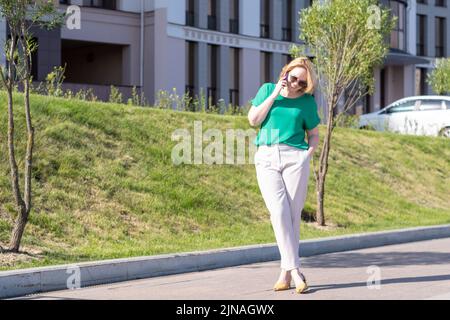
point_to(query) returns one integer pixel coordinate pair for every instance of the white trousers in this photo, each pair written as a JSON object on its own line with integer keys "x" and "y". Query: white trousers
{"x": 282, "y": 172}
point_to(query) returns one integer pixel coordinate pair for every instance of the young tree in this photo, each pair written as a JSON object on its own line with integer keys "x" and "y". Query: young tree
{"x": 347, "y": 39}
{"x": 21, "y": 16}
{"x": 439, "y": 78}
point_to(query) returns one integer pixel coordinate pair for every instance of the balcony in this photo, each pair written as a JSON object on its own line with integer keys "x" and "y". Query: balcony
{"x": 234, "y": 26}
{"x": 420, "y": 50}
{"x": 287, "y": 34}
{"x": 102, "y": 4}
{"x": 264, "y": 31}
{"x": 212, "y": 23}
{"x": 190, "y": 18}
{"x": 439, "y": 52}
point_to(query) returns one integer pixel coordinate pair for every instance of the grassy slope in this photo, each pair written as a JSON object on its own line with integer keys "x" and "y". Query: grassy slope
{"x": 105, "y": 186}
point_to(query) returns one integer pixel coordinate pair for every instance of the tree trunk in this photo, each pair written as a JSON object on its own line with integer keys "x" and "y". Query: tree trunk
{"x": 30, "y": 145}
{"x": 18, "y": 230}
{"x": 323, "y": 164}
{"x": 20, "y": 204}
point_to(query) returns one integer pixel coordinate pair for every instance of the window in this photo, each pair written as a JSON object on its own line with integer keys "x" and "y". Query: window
{"x": 190, "y": 17}
{"x": 440, "y": 36}
{"x": 421, "y": 34}
{"x": 422, "y": 1}
{"x": 287, "y": 20}
{"x": 191, "y": 48}
{"x": 234, "y": 16}
{"x": 266, "y": 67}
{"x": 402, "y": 107}
{"x": 104, "y": 4}
{"x": 212, "y": 15}
{"x": 211, "y": 94}
{"x": 383, "y": 87}
{"x": 421, "y": 74}
{"x": 265, "y": 7}
{"x": 430, "y": 105}
{"x": 440, "y": 3}
{"x": 286, "y": 58}
{"x": 234, "y": 76}
{"x": 398, "y": 39}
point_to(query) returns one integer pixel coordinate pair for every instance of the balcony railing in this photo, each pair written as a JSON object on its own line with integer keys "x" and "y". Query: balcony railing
{"x": 439, "y": 51}
{"x": 420, "y": 49}
{"x": 103, "y": 4}
{"x": 287, "y": 34}
{"x": 212, "y": 23}
{"x": 190, "y": 20}
{"x": 234, "y": 26}
{"x": 264, "y": 30}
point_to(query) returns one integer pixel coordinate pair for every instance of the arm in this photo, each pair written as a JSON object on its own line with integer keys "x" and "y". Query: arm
{"x": 313, "y": 140}
{"x": 257, "y": 115}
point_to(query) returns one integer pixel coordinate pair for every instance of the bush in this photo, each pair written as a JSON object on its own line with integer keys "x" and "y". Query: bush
{"x": 348, "y": 121}
{"x": 115, "y": 95}
{"x": 54, "y": 81}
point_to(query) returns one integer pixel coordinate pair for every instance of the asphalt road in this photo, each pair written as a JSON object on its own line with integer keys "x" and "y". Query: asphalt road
{"x": 417, "y": 270}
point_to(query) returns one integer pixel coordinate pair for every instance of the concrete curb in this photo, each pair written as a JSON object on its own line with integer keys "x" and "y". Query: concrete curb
{"x": 29, "y": 281}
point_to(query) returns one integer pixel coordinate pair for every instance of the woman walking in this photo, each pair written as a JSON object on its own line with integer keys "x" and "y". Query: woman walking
{"x": 286, "y": 112}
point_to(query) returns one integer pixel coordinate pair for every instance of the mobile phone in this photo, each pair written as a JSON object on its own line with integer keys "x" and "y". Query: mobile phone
{"x": 286, "y": 77}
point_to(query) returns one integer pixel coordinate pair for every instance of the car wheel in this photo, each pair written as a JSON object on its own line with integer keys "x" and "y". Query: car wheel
{"x": 445, "y": 132}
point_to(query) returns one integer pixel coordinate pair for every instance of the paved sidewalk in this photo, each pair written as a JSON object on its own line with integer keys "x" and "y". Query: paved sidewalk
{"x": 417, "y": 270}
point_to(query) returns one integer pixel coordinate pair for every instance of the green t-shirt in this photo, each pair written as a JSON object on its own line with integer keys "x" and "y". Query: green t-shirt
{"x": 287, "y": 119}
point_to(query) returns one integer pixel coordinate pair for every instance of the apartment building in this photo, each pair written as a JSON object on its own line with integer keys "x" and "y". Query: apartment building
{"x": 224, "y": 48}
{"x": 419, "y": 37}
{"x": 432, "y": 38}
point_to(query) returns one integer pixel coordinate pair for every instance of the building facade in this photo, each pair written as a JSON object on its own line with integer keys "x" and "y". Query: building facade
{"x": 223, "y": 48}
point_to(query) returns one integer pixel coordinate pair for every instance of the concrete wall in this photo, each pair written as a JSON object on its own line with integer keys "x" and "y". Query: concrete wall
{"x": 113, "y": 27}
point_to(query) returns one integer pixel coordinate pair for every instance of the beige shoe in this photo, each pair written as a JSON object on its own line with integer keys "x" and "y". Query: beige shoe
{"x": 280, "y": 286}
{"x": 303, "y": 287}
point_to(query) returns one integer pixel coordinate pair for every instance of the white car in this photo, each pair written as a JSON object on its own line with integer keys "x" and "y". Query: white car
{"x": 419, "y": 115}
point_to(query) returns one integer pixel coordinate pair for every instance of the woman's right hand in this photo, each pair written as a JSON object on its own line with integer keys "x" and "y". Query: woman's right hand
{"x": 280, "y": 85}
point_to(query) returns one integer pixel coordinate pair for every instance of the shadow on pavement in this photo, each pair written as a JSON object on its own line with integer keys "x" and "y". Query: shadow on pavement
{"x": 355, "y": 260}
{"x": 314, "y": 288}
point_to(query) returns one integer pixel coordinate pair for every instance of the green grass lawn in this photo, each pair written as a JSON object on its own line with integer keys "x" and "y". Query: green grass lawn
{"x": 104, "y": 185}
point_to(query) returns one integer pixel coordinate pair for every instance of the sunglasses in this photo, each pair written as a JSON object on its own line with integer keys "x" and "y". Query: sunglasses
{"x": 301, "y": 83}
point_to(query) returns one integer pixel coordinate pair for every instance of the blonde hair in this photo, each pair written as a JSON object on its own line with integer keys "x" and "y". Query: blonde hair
{"x": 305, "y": 63}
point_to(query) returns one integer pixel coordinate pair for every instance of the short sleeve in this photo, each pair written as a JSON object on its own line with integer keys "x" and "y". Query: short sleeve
{"x": 312, "y": 118}
{"x": 261, "y": 95}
